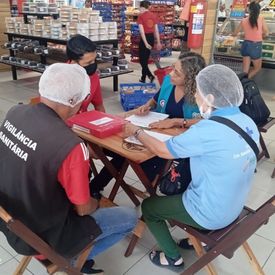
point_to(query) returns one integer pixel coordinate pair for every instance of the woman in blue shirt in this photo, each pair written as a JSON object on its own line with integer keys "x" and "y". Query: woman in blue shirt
{"x": 222, "y": 165}
{"x": 176, "y": 98}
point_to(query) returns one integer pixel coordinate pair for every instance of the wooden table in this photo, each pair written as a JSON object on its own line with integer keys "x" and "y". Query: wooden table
{"x": 133, "y": 158}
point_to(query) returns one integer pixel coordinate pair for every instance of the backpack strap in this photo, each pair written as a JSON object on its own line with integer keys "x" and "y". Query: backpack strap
{"x": 239, "y": 130}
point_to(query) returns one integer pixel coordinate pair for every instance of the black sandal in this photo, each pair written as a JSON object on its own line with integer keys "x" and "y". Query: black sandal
{"x": 155, "y": 257}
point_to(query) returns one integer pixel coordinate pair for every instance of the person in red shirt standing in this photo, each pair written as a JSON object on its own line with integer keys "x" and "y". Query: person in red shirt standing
{"x": 148, "y": 28}
{"x": 82, "y": 51}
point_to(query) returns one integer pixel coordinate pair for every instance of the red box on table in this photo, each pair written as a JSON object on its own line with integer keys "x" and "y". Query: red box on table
{"x": 97, "y": 123}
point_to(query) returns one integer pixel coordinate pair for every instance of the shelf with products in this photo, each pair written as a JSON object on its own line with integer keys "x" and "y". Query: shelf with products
{"x": 131, "y": 18}
{"x": 38, "y": 15}
{"x": 42, "y": 44}
{"x": 165, "y": 13}
{"x": 180, "y": 36}
{"x": 227, "y": 48}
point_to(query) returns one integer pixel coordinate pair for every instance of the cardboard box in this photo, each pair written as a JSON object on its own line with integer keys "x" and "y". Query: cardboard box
{"x": 97, "y": 123}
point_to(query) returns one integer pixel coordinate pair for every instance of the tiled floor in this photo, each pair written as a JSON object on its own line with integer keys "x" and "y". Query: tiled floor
{"x": 113, "y": 261}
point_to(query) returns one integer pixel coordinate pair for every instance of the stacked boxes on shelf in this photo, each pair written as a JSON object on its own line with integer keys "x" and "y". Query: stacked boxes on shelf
{"x": 118, "y": 12}
{"x": 113, "y": 11}
{"x": 39, "y": 7}
{"x": 105, "y": 9}
{"x": 72, "y": 21}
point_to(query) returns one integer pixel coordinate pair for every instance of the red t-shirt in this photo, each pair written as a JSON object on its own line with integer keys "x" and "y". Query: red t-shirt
{"x": 73, "y": 175}
{"x": 148, "y": 20}
{"x": 95, "y": 96}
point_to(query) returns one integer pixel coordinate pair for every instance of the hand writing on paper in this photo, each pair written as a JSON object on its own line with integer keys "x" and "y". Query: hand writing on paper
{"x": 142, "y": 110}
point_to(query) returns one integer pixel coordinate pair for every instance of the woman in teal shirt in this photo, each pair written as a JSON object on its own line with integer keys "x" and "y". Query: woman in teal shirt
{"x": 176, "y": 95}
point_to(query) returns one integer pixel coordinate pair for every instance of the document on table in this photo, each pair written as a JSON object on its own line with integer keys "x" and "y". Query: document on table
{"x": 159, "y": 136}
{"x": 145, "y": 121}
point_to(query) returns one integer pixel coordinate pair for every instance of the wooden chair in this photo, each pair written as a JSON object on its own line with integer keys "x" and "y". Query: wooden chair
{"x": 227, "y": 240}
{"x": 54, "y": 262}
{"x": 263, "y": 128}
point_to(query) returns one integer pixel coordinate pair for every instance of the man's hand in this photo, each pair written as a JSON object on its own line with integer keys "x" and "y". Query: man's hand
{"x": 130, "y": 129}
{"x": 88, "y": 208}
{"x": 148, "y": 46}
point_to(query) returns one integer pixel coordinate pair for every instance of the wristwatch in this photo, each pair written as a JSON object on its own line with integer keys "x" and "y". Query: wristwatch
{"x": 184, "y": 124}
{"x": 137, "y": 132}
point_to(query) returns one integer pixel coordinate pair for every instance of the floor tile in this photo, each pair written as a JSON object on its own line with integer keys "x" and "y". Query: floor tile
{"x": 269, "y": 267}
{"x": 4, "y": 255}
{"x": 117, "y": 264}
{"x": 9, "y": 267}
{"x": 4, "y": 243}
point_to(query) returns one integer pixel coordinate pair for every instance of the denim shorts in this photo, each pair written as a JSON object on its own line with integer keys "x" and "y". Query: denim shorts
{"x": 251, "y": 49}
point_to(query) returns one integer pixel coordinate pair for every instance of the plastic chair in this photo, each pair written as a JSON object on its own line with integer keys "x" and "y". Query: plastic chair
{"x": 227, "y": 240}
{"x": 54, "y": 262}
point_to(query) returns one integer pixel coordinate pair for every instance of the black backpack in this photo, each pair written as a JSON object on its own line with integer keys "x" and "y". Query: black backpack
{"x": 253, "y": 104}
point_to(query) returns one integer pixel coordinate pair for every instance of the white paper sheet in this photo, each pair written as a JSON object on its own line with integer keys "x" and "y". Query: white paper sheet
{"x": 159, "y": 136}
{"x": 144, "y": 121}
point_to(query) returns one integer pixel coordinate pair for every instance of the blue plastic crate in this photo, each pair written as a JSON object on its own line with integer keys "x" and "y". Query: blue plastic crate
{"x": 133, "y": 95}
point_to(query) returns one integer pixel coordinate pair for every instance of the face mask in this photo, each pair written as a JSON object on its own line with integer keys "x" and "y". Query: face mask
{"x": 206, "y": 114}
{"x": 91, "y": 69}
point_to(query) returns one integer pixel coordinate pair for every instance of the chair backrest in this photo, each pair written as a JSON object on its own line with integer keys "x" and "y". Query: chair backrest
{"x": 228, "y": 239}
{"x": 27, "y": 235}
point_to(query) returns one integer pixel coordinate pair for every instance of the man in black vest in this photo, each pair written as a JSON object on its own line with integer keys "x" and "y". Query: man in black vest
{"x": 44, "y": 172}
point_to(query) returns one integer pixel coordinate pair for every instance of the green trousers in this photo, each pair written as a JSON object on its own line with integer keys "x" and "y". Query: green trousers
{"x": 156, "y": 210}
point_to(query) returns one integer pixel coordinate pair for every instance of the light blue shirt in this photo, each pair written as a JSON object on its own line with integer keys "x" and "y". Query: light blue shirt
{"x": 222, "y": 166}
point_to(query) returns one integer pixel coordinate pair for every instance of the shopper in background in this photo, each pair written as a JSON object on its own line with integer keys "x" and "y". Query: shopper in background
{"x": 50, "y": 190}
{"x": 176, "y": 98}
{"x": 255, "y": 29}
{"x": 88, "y": 4}
{"x": 222, "y": 165}
{"x": 82, "y": 51}
{"x": 148, "y": 28}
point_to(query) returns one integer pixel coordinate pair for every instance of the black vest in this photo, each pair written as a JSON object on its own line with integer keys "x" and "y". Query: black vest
{"x": 34, "y": 141}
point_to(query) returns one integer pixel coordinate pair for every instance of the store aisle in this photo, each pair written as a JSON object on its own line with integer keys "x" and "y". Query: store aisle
{"x": 113, "y": 261}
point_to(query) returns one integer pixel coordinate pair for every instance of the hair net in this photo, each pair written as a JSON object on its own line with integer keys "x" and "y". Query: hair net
{"x": 67, "y": 84}
{"x": 222, "y": 83}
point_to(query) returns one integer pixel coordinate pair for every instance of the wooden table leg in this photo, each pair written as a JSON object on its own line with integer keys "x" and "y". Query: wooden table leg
{"x": 124, "y": 185}
{"x": 118, "y": 175}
